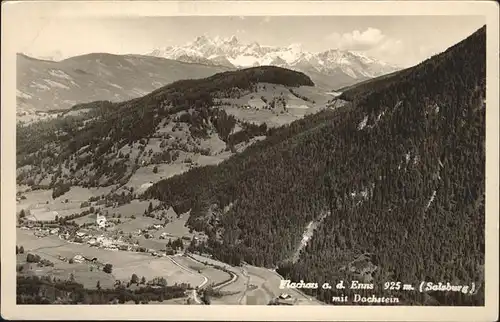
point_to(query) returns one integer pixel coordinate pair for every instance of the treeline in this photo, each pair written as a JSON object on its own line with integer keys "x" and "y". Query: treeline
{"x": 35, "y": 290}
{"x": 400, "y": 171}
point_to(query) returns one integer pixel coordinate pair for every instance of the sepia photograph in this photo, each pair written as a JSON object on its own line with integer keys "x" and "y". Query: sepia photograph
{"x": 324, "y": 161}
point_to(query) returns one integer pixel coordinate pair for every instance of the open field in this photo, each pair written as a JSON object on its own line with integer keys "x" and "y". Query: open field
{"x": 124, "y": 263}
{"x": 177, "y": 226}
{"x": 214, "y": 275}
{"x": 91, "y": 218}
{"x": 132, "y": 225}
{"x": 135, "y": 207}
{"x": 142, "y": 178}
{"x": 81, "y": 272}
{"x": 235, "y": 289}
{"x": 43, "y": 207}
{"x": 252, "y": 285}
{"x": 80, "y": 194}
{"x": 150, "y": 267}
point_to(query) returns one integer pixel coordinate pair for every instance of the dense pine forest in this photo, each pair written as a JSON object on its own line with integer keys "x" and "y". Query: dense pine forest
{"x": 397, "y": 177}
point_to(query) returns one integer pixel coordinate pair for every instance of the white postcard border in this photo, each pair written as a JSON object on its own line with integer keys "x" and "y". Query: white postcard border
{"x": 13, "y": 12}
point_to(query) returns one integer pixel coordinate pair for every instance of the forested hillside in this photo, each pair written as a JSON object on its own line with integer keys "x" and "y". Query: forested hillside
{"x": 95, "y": 147}
{"x": 399, "y": 174}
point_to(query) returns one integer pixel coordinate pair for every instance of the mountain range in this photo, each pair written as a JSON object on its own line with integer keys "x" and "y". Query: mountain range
{"x": 54, "y": 84}
{"x": 331, "y": 68}
{"x": 44, "y": 85}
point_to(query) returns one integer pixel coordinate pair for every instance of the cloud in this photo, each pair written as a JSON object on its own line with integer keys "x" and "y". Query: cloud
{"x": 371, "y": 41}
{"x": 357, "y": 40}
{"x": 388, "y": 47}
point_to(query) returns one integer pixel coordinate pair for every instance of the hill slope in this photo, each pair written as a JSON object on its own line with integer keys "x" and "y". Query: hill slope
{"x": 393, "y": 183}
{"x": 47, "y": 85}
{"x": 104, "y": 143}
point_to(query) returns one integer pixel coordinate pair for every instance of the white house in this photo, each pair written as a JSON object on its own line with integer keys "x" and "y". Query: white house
{"x": 78, "y": 259}
{"x": 101, "y": 221}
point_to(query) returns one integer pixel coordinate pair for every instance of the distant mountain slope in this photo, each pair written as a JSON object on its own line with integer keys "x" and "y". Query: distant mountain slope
{"x": 330, "y": 69}
{"x": 47, "y": 85}
{"x": 349, "y": 92}
{"x": 104, "y": 143}
{"x": 394, "y": 184}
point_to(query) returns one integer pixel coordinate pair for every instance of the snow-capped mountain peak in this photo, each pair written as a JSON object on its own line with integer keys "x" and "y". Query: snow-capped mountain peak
{"x": 231, "y": 52}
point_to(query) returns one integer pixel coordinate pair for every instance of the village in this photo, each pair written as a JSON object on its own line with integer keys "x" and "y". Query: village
{"x": 98, "y": 241}
{"x": 96, "y": 228}
{"x": 103, "y": 234}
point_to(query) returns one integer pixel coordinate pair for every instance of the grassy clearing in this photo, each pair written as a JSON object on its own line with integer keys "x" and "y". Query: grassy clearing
{"x": 79, "y": 194}
{"x": 43, "y": 207}
{"x": 214, "y": 143}
{"x": 214, "y": 275}
{"x": 81, "y": 273}
{"x": 135, "y": 207}
{"x": 177, "y": 226}
{"x": 145, "y": 175}
{"x": 133, "y": 225}
{"x": 150, "y": 267}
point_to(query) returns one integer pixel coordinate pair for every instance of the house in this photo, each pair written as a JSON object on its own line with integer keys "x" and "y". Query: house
{"x": 285, "y": 296}
{"x": 101, "y": 221}
{"x": 93, "y": 242}
{"x": 78, "y": 259}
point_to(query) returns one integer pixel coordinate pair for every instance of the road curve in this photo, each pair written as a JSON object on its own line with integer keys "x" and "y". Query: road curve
{"x": 234, "y": 276}
{"x": 190, "y": 271}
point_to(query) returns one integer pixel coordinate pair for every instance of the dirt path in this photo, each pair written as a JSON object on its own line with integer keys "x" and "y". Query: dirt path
{"x": 47, "y": 247}
{"x": 247, "y": 284}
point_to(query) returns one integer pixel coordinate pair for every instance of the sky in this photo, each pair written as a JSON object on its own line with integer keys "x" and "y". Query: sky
{"x": 400, "y": 40}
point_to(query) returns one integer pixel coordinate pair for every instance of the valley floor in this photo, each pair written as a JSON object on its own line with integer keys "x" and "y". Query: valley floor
{"x": 243, "y": 285}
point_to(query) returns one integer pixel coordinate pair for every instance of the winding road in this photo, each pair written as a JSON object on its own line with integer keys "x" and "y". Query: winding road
{"x": 190, "y": 271}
